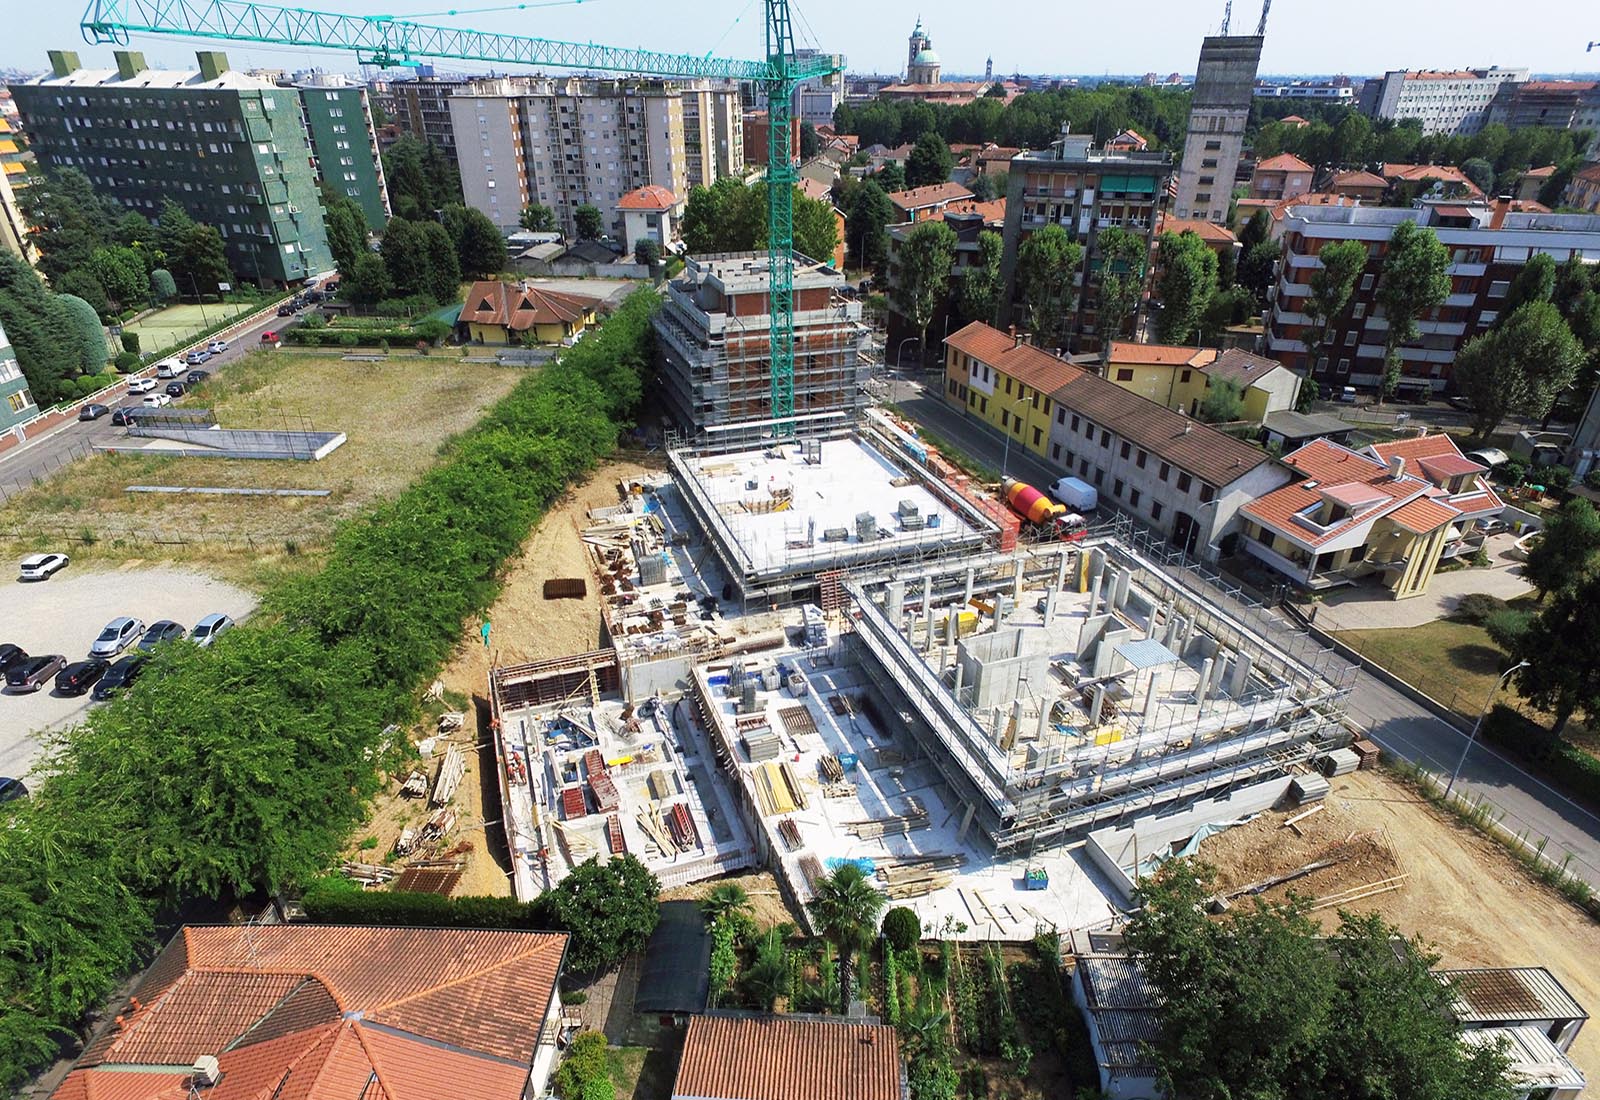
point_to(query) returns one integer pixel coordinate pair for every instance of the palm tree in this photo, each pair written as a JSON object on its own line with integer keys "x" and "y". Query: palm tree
{"x": 845, "y": 911}
{"x": 727, "y": 899}
{"x": 767, "y": 978}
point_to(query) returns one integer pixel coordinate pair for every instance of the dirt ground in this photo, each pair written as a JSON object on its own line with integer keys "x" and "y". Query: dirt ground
{"x": 1464, "y": 895}
{"x": 767, "y": 905}
{"x": 524, "y": 627}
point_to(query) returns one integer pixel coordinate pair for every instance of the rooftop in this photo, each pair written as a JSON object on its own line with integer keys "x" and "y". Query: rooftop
{"x": 1165, "y": 355}
{"x": 1210, "y": 232}
{"x": 1283, "y": 162}
{"x": 779, "y": 1058}
{"x": 155, "y": 78}
{"x": 652, "y": 196}
{"x": 521, "y": 306}
{"x": 932, "y": 195}
{"x": 749, "y": 273}
{"x": 1509, "y": 995}
{"x": 1030, "y": 365}
{"x": 1240, "y": 367}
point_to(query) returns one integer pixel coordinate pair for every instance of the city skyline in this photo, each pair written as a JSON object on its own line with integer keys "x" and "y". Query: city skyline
{"x": 1299, "y": 40}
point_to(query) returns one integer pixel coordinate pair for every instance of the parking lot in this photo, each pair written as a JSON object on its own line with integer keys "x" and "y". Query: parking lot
{"x": 64, "y": 614}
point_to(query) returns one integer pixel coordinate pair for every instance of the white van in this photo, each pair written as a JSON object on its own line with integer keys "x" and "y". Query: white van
{"x": 170, "y": 368}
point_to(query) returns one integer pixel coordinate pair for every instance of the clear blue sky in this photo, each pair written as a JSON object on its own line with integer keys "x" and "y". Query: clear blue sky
{"x": 1351, "y": 36}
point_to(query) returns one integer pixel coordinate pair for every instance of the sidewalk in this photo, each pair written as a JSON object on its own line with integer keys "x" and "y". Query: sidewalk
{"x": 1370, "y": 607}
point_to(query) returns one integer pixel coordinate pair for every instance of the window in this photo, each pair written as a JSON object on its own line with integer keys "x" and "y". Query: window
{"x": 1061, "y": 415}
{"x": 1344, "y": 366}
{"x": 1184, "y": 481}
{"x": 1124, "y": 374}
{"x": 1055, "y": 448}
{"x": 1127, "y": 449}
{"x": 1099, "y": 476}
{"x": 1366, "y": 282}
{"x": 1350, "y": 338}
{"x": 1488, "y": 317}
{"x": 1037, "y": 433}
{"x": 1074, "y": 418}
{"x": 1116, "y": 488}
{"x": 1358, "y": 312}
{"x": 1008, "y": 380}
{"x": 1140, "y": 460}
{"x": 1083, "y": 467}
{"x": 1208, "y": 162}
{"x": 1207, "y": 494}
{"x": 950, "y": 384}
{"x": 1182, "y": 377}
{"x": 983, "y": 402}
{"x": 1005, "y": 418}
{"x": 1497, "y": 289}
{"x": 1155, "y": 509}
{"x": 1204, "y": 196}
{"x": 1166, "y": 468}
{"x": 1105, "y": 438}
{"x": 1211, "y": 147}
{"x": 1133, "y": 498}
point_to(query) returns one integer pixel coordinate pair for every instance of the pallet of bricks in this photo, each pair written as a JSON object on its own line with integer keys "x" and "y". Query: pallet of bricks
{"x": 600, "y": 782}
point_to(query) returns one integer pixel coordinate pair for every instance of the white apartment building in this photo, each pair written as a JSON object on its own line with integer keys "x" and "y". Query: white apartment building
{"x": 1453, "y": 102}
{"x": 713, "y": 132}
{"x": 566, "y": 142}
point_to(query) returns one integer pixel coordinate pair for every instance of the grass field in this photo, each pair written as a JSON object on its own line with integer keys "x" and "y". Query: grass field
{"x": 177, "y": 323}
{"x": 395, "y": 414}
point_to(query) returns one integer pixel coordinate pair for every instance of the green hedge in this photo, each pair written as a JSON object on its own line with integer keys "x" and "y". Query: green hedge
{"x": 1566, "y": 767}
{"x": 243, "y": 767}
{"x": 336, "y": 903}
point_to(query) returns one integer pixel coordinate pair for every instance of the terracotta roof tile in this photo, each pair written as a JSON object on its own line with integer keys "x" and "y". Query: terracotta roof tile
{"x": 932, "y": 195}
{"x": 1540, "y": 173}
{"x": 992, "y": 212}
{"x": 1283, "y": 162}
{"x": 1210, "y": 232}
{"x": 815, "y": 189}
{"x": 1443, "y": 467}
{"x": 1241, "y": 367}
{"x": 1422, "y": 515}
{"x": 1359, "y": 179}
{"x": 1437, "y": 445}
{"x": 652, "y": 196}
{"x": 773, "y": 1058}
{"x": 201, "y": 1013}
{"x": 519, "y": 308}
{"x": 431, "y": 1072}
{"x": 1030, "y": 365}
{"x": 1442, "y": 173}
{"x": 1125, "y": 351}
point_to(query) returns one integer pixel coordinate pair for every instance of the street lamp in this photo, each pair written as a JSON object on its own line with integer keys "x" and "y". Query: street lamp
{"x": 1487, "y": 703}
{"x": 900, "y": 352}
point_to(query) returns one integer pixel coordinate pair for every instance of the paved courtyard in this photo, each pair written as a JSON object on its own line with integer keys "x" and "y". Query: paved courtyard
{"x": 1368, "y": 606}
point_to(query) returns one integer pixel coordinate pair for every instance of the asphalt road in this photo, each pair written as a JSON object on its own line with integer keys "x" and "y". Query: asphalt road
{"x": 44, "y": 454}
{"x": 1526, "y": 804}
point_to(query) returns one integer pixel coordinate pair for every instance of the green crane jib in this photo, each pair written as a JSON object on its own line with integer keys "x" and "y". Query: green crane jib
{"x": 385, "y": 40}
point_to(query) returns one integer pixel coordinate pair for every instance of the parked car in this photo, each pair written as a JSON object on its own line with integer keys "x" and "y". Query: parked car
{"x": 286, "y": 310}
{"x": 271, "y": 339}
{"x": 206, "y": 630}
{"x": 41, "y": 567}
{"x": 12, "y": 789}
{"x": 80, "y": 676}
{"x": 120, "y": 675}
{"x": 30, "y": 675}
{"x": 195, "y": 377}
{"x": 169, "y": 368}
{"x": 196, "y": 357}
{"x": 93, "y": 411}
{"x": 127, "y": 415}
{"x": 10, "y": 654}
{"x": 141, "y": 385}
{"x": 164, "y": 630}
{"x": 156, "y": 400}
{"x": 177, "y": 389}
{"x": 217, "y": 347}
{"x": 119, "y": 634}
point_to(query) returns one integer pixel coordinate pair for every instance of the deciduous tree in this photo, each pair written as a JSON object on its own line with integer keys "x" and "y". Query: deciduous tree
{"x": 1413, "y": 281}
{"x": 444, "y": 271}
{"x": 367, "y": 283}
{"x": 1521, "y": 366}
{"x": 1123, "y": 261}
{"x": 1188, "y": 279}
{"x": 647, "y": 251}
{"x": 1223, "y": 402}
{"x": 1331, "y": 285}
{"x": 538, "y": 218}
{"x": 929, "y": 162}
{"x": 480, "y": 250}
{"x": 410, "y": 192}
{"x": 590, "y": 223}
{"x": 1047, "y": 263}
{"x": 1567, "y": 551}
{"x": 608, "y": 908}
{"x": 1535, "y": 281}
{"x": 405, "y": 257}
{"x": 347, "y": 229}
{"x": 121, "y": 273}
{"x": 867, "y": 226}
{"x": 980, "y": 284}
{"x": 88, "y": 338}
{"x": 1561, "y": 646}
{"x": 69, "y": 219}
{"x": 922, "y": 276}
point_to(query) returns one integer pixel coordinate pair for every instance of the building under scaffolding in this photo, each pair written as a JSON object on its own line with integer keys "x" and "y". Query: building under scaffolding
{"x": 714, "y": 349}
{"x": 1074, "y": 686}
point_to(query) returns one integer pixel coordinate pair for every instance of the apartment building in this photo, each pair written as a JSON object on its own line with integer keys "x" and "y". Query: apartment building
{"x": 714, "y": 348}
{"x": 1084, "y": 190}
{"x": 421, "y": 108}
{"x": 1219, "y": 110}
{"x": 231, "y": 149}
{"x": 921, "y": 204}
{"x": 1184, "y": 479}
{"x": 338, "y": 122}
{"x": 1488, "y": 246}
{"x": 567, "y": 142}
{"x": 1281, "y": 177}
{"x": 1362, "y": 185}
{"x": 1180, "y": 377}
{"x": 756, "y": 136}
{"x": 1448, "y": 102}
{"x": 713, "y": 132}
{"x": 1392, "y": 512}
{"x": 1339, "y": 90}
{"x": 1584, "y": 190}
{"x": 16, "y": 403}
{"x": 13, "y": 228}
{"x": 1553, "y": 103}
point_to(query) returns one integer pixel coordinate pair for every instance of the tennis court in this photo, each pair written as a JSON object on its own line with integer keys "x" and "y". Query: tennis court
{"x": 179, "y": 323}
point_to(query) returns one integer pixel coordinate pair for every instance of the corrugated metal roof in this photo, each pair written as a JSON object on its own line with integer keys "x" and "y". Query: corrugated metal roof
{"x": 1505, "y": 994}
{"x": 1116, "y": 981}
{"x": 1536, "y": 1062}
{"x": 1146, "y": 653}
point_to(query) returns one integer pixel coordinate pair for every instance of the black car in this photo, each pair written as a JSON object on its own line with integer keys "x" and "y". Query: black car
{"x": 120, "y": 675}
{"x": 10, "y": 655}
{"x": 286, "y": 310}
{"x": 164, "y": 631}
{"x": 12, "y": 789}
{"x": 126, "y": 415}
{"x": 195, "y": 377}
{"x": 30, "y": 674}
{"x": 93, "y": 411}
{"x": 177, "y": 389}
{"x": 80, "y": 676}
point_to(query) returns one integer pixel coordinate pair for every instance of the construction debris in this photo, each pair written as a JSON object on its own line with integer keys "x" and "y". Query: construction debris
{"x": 451, "y": 769}
{"x": 887, "y": 826}
{"x": 451, "y": 720}
{"x": 565, "y": 588}
{"x": 368, "y": 874}
{"x": 415, "y": 786}
{"x": 1359, "y": 893}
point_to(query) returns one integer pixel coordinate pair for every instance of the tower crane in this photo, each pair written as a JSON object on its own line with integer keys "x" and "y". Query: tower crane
{"x": 1261, "y": 27}
{"x": 385, "y": 40}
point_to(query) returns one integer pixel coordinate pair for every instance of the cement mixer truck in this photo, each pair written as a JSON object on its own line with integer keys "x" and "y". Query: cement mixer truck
{"x": 1038, "y": 509}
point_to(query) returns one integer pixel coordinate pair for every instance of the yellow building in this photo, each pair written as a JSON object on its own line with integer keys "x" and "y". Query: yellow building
{"x": 1005, "y": 382}
{"x": 512, "y": 313}
{"x": 14, "y": 235}
{"x": 1178, "y": 377}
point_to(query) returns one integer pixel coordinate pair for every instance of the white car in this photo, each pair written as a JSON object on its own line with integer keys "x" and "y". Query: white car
{"x": 119, "y": 634}
{"x": 141, "y": 385}
{"x": 206, "y": 630}
{"x": 217, "y": 347}
{"x": 156, "y": 400}
{"x": 170, "y": 368}
{"x": 39, "y": 567}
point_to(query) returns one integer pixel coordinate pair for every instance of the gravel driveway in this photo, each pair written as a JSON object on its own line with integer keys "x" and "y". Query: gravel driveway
{"x": 65, "y": 613}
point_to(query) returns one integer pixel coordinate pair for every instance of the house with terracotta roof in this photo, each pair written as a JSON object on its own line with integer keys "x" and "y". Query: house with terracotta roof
{"x": 1280, "y": 177}
{"x": 650, "y": 212}
{"x": 1294, "y": 122}
{"x": 1218, "y": 238}
{"x": 921, "y": 203}
{"x": 1179, "y": 377}
{"x": 995, "y": 158}
{"x": 1430, "y": 181}
{"x": 1391, "y": 513}
{"x": 821, "y": 192}
{"x": 505, "y": 313}
{"x": 1533, "y": 180}
{"x": 1128, "y": 141}
{"x": 1584, "y": 190}
{"x": 1174, "y": 474}
{"x": 325, "y": 1012}
{"x": 1363, "y": 185}
{"x": 786, "y": 1058}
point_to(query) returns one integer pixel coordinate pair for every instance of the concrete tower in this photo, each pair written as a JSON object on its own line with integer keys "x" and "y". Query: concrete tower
{"x": 1218, "y": 111}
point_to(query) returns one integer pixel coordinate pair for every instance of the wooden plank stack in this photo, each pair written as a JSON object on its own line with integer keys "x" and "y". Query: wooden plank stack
{"x": 888, "y": 826}
{"x": 790, "y": 832}
{"x": 831, "y": 769}
{"x": 798, "y": 720}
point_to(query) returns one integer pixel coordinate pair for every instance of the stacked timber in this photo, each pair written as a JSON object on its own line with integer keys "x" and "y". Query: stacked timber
{"x": 888, "y": 826}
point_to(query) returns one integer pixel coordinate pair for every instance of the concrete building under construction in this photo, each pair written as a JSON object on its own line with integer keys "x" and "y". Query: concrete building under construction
{"x": 714, "y": 349}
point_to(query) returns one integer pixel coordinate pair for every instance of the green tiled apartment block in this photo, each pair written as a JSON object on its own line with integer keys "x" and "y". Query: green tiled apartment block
{"x": 339, "y": 121}
{"x": 16, "y": 403}
{"x": 230, "y": 149}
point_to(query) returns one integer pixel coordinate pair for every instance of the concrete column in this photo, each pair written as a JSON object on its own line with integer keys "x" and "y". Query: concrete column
{"x": 927, "y": 612}
{"x": 1050, "y": 606}
{"x": 1202, "y": 688}
{"x": 1124, "y": 578}
{"x": 971, "y": 576}
{"x": 1016, "y": 583}
{"x": 1094, "y": 592}
{"x": 894, "y": 605}
{"x": 1188, "y": 635}
{"x": 997, "y": 728}
{"x": 1150, "y": 698}
{"x": 1097, "y": 564}
{"x": 1241, "y": 675}
{"x": 1061, "y": 570}
{"x": 1097, "y": 702}
{"x": 961, "y": 670}
{"x": 1014, "y": 726}
{"x": 1044, "y": 721}
{"x": 1151, "y": 633}
{"x": 1169, "y": 634}
{"x": 952, "y": 624}
{"x": 966, "y": 820}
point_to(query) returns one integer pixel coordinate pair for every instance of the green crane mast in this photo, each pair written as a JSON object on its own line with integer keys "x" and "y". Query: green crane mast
{"x": 385, "y": 40}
